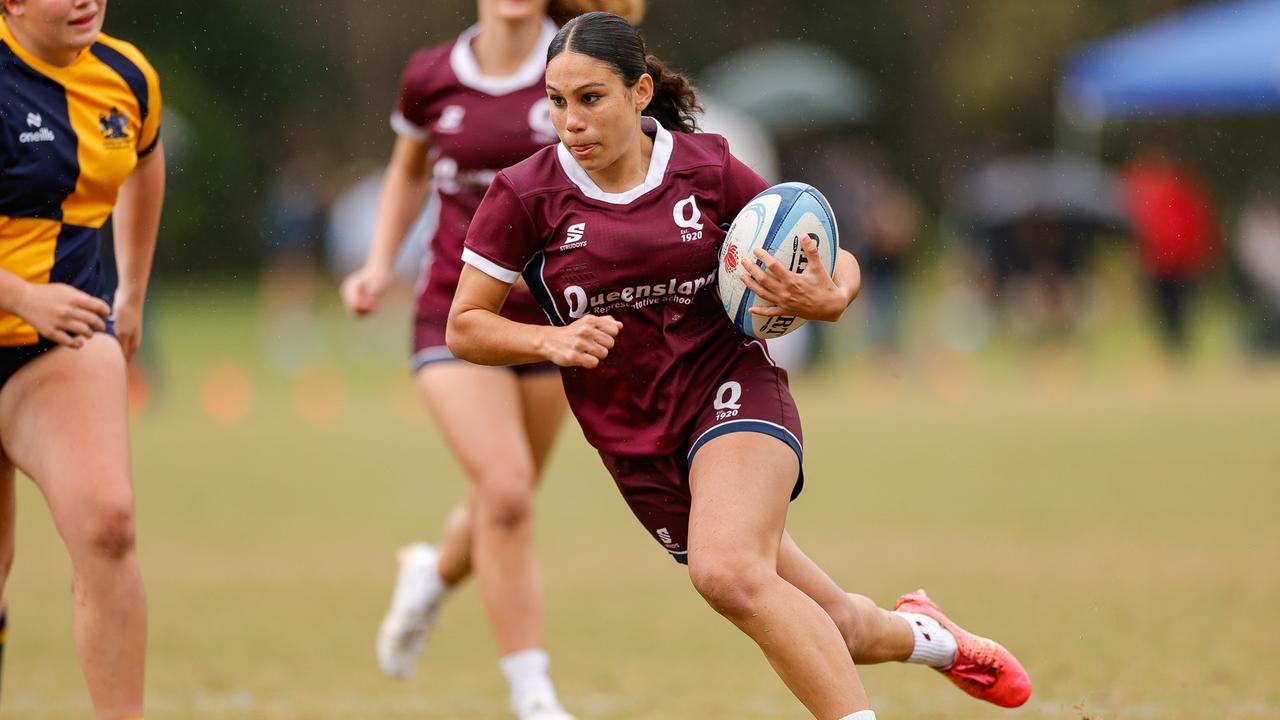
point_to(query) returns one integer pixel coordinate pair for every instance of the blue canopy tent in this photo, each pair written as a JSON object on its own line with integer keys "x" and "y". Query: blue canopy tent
{"x": 1218, "y": 58}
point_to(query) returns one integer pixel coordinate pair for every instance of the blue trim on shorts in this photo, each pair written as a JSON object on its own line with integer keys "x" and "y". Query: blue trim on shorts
{"x": 430, "y": 356}
{"x": 747, "y": 425}
{"x": 441, "y": 353}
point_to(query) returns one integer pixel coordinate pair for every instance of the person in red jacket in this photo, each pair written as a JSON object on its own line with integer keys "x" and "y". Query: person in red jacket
{"x": 1177, "y": 231}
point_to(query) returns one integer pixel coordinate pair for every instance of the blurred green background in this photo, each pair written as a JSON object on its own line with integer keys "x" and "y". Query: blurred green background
{"x": 259, "y": 83}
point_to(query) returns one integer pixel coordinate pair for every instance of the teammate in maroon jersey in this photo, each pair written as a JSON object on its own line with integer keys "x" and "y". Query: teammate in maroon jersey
{"x": 616, "y": 232}
{"x": 467, "y": 109}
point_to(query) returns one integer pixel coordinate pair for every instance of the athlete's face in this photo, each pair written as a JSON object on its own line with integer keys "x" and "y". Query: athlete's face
{"x": 58, "y": 26}
{"x": 513, "y": 10}
{"x": 595, "y": 114}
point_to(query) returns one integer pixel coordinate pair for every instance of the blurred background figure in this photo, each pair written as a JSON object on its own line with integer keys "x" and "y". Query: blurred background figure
{"x": 1177, "y": 232}
{"x": 1032, "y": 222}
{"x": 880, "y": 218}
{"x": 292, "y": 227}
{"x": 1257, "y": 257}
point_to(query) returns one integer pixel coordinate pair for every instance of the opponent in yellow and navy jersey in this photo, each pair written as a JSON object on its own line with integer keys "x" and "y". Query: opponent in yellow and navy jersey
{"x": 69, "y": 137}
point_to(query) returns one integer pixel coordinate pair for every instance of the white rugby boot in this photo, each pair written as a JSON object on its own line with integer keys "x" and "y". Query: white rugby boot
{"x": 415, "y": 602}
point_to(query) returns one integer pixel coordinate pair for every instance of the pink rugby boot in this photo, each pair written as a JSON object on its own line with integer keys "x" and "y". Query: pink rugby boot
{"x": 983, "y": 668}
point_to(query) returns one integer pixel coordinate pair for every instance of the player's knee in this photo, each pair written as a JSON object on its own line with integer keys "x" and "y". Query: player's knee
{"x": 112, "y": 533}
{"x": 730, "y": 583}
{"x": 505, "y": 502}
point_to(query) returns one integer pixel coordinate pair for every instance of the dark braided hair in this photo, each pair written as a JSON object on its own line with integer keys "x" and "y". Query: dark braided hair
{"x": 615, "y": 42}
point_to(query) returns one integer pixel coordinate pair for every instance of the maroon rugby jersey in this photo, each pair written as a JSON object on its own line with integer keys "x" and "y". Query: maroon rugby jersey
{"x": 648, "y": 258}
{"x": 476, "y": 125}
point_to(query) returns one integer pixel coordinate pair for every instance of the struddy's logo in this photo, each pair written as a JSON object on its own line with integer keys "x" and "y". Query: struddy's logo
{"x": 634, "y": 297}
{"x": 727, "y": 402}
{"x": 688, "y": 218}
{"x": 39, "y": 134}
{"x": 574, "y": 236}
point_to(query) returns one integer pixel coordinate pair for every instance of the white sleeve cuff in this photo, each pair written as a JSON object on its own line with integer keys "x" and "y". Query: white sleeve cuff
{"x": 404, "y": 128}
{"x": 489, "y": 267}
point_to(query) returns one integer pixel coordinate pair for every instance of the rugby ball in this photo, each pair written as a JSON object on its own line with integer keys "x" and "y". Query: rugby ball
{"x": 774, "y": 220}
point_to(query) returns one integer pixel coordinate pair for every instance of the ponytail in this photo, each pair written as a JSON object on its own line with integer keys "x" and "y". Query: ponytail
{"x": 615, "y": 42}
{"x": 674, "y": 104}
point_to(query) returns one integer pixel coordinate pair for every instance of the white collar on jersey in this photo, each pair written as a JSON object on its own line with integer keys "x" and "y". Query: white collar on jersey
{"x": 657, "y": 167}
{"x": 463, "y": 61}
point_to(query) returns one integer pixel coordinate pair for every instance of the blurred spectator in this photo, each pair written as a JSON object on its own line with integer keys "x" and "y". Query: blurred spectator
{"x": 291, "y": 227}
{"x": 293, "y": 216}
{"x": 879, "y": 218}
{"x": 1173, "y": 220}
{"x": 1257, "y": 253}
{"x": 1033, "y": 222}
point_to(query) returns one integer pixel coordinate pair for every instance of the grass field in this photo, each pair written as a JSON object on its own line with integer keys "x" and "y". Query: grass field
{"x": 1113, "y": 523}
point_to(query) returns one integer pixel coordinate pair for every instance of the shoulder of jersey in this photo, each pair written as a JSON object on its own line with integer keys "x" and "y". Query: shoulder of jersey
{"x": 430, "y": 66}
{"x": 694, "y": 150}
{"x": 540, "y": 172}
{"x": 129, "y": 50}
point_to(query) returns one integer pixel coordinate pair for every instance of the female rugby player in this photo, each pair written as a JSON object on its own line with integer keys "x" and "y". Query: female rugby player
{"x": 467, "y": 109}
{"x": 79, "y": 141}
{"x": 616, "y": 231}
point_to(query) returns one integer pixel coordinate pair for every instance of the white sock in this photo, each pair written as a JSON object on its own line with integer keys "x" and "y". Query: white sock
{"x": 436, "y": 586}
{"x": 860, "y": 715}
{"x": 528, "y": 674}
{"x": 935, "y": 646}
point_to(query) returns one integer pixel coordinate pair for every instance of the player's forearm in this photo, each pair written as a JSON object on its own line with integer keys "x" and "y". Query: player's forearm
{"x": 483, "y": 337}
{"x": 404, "y": 192}
{"x": 136, "y": 222}
{"x": 847, "y": 277}
{"x": 12, "y": 290}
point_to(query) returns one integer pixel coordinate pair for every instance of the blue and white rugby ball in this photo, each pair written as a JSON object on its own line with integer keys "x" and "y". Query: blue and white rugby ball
{"x": 775, "y": 220}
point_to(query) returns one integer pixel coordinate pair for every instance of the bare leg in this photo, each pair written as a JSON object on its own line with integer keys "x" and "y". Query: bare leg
{"x": 63, "y": 420}
{"x": 873, "y": 635}
{"x": 543, "y": 407}
{"x": 741, "y": 484}
{"x": 8, "y": 526}
{"x": 502, "y": 469}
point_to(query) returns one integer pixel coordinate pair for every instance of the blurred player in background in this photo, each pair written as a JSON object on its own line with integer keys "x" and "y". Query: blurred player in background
{"x": 79, "y": 141}
{"x": 467, "y": 109}
{"x": 617, "y": 232}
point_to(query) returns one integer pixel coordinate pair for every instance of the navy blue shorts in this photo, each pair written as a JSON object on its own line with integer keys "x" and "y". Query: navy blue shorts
{"x": 13, "y": 358}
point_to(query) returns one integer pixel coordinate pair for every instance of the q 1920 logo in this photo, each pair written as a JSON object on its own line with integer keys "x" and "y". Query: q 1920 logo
{"x": 689, "y": 219}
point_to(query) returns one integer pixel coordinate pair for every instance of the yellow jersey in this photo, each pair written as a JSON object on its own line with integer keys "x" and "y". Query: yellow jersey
{"x": 69, "y": 137}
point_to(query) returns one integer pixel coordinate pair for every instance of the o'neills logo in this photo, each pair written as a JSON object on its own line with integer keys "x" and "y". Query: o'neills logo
{"x": 41, "y": 135}
{"x": 636, "y": 297}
